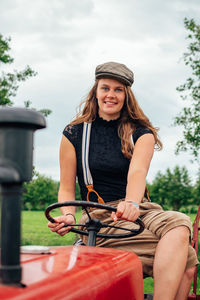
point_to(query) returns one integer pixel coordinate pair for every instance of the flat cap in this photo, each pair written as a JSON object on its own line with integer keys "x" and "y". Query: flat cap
{"x": 116, "y": 71}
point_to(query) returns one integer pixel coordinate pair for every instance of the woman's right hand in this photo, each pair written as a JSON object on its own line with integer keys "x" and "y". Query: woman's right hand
{"x": 60, "y": 222}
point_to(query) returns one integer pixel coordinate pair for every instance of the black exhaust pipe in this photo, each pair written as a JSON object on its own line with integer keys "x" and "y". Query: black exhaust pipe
{"x": 17, "y": 126}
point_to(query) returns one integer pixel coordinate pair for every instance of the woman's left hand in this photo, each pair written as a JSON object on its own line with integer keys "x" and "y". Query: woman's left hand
{"x": 126, "y": 211}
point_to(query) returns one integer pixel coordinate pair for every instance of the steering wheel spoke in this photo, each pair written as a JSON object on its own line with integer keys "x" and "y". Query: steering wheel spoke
{"x": 118, "y": 227}
{"x": 87, "y": 212}
{"x": 74, "y": 225}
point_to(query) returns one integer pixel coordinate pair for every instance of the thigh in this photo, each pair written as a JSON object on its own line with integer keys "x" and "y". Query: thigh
{"x": 160, "y": 222}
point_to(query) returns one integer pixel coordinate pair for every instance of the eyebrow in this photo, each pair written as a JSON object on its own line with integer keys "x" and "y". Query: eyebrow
{"x": 116, "y": 87}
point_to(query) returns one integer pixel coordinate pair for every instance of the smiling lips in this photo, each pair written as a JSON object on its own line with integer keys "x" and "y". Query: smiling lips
{"x": 110, "y": 103}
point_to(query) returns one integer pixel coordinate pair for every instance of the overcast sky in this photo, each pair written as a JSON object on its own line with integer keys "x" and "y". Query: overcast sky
{"x": 64, "y": 40}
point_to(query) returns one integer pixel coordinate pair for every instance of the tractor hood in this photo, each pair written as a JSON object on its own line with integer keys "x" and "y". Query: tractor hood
{"x": 78, "y": 272}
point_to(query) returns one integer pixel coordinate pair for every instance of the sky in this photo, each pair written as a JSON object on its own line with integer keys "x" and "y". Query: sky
{"x": 64, "y": 41}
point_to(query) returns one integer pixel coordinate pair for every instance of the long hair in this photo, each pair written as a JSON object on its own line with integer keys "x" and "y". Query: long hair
{"x": 131, "y": 117}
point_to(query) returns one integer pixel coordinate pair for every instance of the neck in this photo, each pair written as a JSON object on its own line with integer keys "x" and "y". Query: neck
{"x": 107, "y": 117}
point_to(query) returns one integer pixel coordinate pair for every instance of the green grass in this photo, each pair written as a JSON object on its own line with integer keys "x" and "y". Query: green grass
{"x": 36, "y": 232}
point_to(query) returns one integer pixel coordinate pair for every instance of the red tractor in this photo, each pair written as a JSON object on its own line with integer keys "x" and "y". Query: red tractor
{"x": 71, "y": 272}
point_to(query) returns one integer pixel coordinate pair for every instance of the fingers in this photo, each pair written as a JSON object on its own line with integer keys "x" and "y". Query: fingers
{"x": 61, "y": 221}
{"x": 60, "y": 229}
{"x": 114, "y": 217}
{"x": 126, "y": 211}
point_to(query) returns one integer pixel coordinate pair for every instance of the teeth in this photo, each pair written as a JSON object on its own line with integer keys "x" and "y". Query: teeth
{"x": 110, "y": 102}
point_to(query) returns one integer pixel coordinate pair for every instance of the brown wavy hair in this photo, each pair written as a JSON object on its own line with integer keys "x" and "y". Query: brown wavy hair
{"x": 131, "y": 117}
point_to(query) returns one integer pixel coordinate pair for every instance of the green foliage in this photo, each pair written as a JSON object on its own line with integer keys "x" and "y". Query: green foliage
{"x": 196, "y": 190}
{"x": 173, "y": 189}
{"x": 9, "y": 81}
{"x": 43, "y": 111}
{"x": 189, "y": 118}
{"x": 4, "y": 48}
{"x": 157, "y": 189}
{"x": 39, "y": 193}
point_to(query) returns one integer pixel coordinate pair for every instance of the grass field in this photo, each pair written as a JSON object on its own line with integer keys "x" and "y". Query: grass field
{"x": 36, "y": 232}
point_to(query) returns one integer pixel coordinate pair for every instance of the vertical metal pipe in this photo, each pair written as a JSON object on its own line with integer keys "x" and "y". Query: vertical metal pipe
{"x": 92, "y": 238}
{"x": 17, "y": 126}
{"x": 10, "y": 270}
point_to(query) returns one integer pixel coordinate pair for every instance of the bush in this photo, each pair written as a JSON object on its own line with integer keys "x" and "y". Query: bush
{"x": 190, "y": 209}
{"x": 39, "y": 193}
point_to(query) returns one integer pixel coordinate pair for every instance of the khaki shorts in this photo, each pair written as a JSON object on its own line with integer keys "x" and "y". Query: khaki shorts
{"x": 157, "y": 222}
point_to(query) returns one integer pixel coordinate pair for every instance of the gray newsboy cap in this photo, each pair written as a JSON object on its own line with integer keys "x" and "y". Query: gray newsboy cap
{"x": 116, "y": 71}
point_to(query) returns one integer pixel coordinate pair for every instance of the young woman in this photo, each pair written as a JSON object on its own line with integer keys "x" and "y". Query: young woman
{"x": 121, "y": 146}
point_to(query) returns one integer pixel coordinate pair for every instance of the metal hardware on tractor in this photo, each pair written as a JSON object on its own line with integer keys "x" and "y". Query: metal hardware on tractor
{"x": 65, "y": 272}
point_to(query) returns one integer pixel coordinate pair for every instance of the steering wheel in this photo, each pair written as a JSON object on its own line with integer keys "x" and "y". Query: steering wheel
{"x": 94, "y": 225}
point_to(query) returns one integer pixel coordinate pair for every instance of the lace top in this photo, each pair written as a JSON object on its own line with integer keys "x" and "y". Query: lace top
{"x": 108, "y": 166}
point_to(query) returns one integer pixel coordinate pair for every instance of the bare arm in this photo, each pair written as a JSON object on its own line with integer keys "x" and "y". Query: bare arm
{"x": 67, "y": 174}
{"x": 67, "y": 187}
{"x": 139, "y": 167}
{"x": 136, "y": 182}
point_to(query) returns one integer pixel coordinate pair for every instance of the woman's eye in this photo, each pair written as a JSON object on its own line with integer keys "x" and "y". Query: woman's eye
{"x": 119, "y": 90}
{"x": 105, "y": 88}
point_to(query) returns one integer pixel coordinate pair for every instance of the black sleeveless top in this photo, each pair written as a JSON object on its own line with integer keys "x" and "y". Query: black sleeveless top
{"x": 108, "y": 166}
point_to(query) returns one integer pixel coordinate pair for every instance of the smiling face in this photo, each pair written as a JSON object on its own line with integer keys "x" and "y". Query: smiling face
{"x": 111, "y": 96}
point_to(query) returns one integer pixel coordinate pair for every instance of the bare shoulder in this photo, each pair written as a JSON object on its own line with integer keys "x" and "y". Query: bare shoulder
{"x": 143, "y": 152}
{"x": 145, "y": 139}
{"x": 66, "y": 148}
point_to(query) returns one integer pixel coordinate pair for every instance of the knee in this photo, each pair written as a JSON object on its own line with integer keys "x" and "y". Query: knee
{"x": 182, "y": 234}
{"x": 178, "y": 235}
{"x": 175, "y": 222}
{"x": 189, "y": 273}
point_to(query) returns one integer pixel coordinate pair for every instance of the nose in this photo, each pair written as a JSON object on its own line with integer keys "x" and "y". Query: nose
{"x": 111, "y": 94}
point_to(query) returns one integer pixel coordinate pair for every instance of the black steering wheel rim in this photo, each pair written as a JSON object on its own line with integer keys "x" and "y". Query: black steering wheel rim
{"x": 85, "y": 204}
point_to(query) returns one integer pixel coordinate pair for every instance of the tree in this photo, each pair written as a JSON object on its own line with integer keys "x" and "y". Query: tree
{"x": 179, "y": 192}
{"x": 173, "y": 189}
{"x": 39, "y": 193}
{"x": 9, "y": 81}
{"x": 157, "y": 190}
{"x": 196, "y": 191}
{"x": 189, "y": 118}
